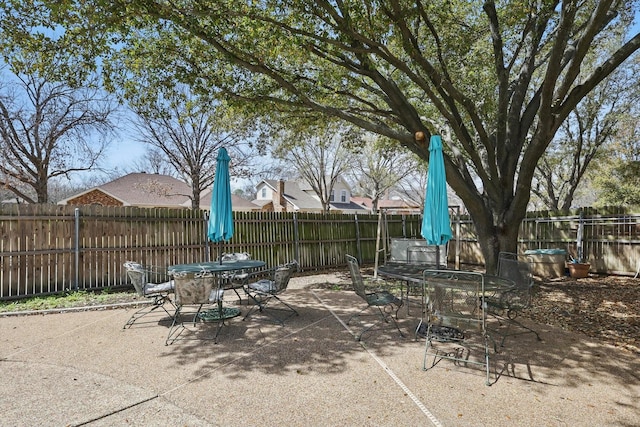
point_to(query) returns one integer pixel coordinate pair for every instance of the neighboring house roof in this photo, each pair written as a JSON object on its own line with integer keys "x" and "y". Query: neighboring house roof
{"x": 238, "y": 204}
{"x": 300, "y": 195}
{"x": 296, "y": 195}
{"x": 349, "y": 206}
{"x": 389, "y": 205}
{"x": 149, "y": 191}
{"x": 136, "y": 189}
{"x": 362, "y": 201}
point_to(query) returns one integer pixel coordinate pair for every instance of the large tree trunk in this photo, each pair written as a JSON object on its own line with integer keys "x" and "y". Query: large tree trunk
{"x": 495, "y": 238}
{"x": 497, "y": 224}
{"x": 42, "y": 189}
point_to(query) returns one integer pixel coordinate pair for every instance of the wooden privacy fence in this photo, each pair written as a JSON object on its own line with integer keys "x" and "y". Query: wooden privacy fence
{"x": 49, "y": 249}
{"x": 610, "y": 237}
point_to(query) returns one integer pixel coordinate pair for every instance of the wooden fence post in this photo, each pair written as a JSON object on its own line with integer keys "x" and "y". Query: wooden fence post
{"x": 296, "y": 237}
{"x": 358, "y": 242}
{"x": 76, "y": 248}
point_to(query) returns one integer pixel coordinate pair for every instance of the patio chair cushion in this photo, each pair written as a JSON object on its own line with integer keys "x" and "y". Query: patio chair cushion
{"x": 154, "y": 288}
{"x": 265, "y": 286}
{"x": 264, "y": 293}
{"x": 382, "y": 298}
{"x": 158, "y": 292}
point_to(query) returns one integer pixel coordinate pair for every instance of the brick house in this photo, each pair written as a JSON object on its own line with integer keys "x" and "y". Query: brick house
{"x": 148, "y": 190}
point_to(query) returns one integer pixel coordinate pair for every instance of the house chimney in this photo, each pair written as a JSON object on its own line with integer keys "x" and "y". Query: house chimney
{"x": 281, "y": 200}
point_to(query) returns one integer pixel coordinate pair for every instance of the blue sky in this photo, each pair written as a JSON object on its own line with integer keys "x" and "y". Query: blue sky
{"x": 124, "y": 151}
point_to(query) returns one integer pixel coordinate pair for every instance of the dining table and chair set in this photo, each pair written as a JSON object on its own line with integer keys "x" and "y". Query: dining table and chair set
{"x": 195, "y": 294}
{"x": 464, "y": 315}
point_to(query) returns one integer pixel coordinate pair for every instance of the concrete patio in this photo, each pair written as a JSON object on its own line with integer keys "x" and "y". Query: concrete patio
{"x": 81, "y": 368}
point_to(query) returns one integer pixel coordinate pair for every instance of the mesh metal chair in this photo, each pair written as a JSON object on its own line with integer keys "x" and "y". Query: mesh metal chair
{"x": 384, "y": 305}
{"x": 198, "y": 289}
{"x": 237, "y": 279}
{"x": 455, "y": 315}
{"x": 268, "y": 290}
{"x": 506, "y": 306}
{"x": 159, "y": 293}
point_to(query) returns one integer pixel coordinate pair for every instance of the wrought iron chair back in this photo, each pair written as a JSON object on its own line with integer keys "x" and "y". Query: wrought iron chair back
{"x": 517, "y": 269}
{"x": 159, "y": 293}
{"x": 265, "y": 291}
{"x": 384, "y": 305}
{"x": 195, "y": 289}
{"x": 456, "y": 312}
{"x": 235, "y": 279}
{"x": 356, "y": 277}
{"x": 507, "y": 305}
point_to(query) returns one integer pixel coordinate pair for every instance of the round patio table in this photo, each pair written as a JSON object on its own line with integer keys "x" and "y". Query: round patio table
{"x": 216, "y": 266}
{"x": 219, "y": 313}
{"x": 417, "y": 273}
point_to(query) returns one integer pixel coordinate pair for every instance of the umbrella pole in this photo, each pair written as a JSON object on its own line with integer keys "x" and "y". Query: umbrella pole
{"x": 375, "y": 270}
{"x": 437, "y": 257}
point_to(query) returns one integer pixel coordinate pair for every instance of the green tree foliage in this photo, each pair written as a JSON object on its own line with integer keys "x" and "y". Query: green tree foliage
{"x": 592, "y": 125}
{"x": 619, "y": 185}
{"x": 501, "y": 76}
{"x": 616, "y": 179}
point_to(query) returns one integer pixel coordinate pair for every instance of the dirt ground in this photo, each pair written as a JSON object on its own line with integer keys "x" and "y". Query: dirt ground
{"x": 603, "y": 307}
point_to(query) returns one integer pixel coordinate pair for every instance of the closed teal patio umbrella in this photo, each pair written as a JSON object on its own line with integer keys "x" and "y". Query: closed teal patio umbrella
{"x": 220, "y": 227}
{"x": 436, "y": 225}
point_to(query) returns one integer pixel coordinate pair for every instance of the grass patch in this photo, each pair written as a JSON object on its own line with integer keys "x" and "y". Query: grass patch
{"x": 68, "y": 299}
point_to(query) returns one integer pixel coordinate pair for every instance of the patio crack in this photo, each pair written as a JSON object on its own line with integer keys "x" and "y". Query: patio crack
{"x": 388, "y": 370}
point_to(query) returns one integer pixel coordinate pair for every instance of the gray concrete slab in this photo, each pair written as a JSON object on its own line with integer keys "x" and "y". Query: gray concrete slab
{"x": 82, "y": 368}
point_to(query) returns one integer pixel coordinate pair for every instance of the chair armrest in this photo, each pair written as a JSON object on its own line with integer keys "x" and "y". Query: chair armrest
{"x": 268, "y": 273}
{"x": 254, "y": 276}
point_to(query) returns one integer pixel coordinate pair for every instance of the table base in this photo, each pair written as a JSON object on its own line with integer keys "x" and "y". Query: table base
{"x": 214, "y": 315}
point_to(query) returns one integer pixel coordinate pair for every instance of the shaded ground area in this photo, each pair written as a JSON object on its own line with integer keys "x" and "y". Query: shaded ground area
{"x": 602, "y": 307}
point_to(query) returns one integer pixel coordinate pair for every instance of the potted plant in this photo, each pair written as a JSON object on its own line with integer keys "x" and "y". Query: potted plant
{"x": 578, "y": 269}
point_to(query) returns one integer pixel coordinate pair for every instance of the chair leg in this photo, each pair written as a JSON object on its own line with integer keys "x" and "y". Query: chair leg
{"x": 262, "y": 301}
{"x": 457, "y": 355}
{"x": 177, "y": 326}
{"x": 511, "y": 321}
{"x": 382, "y": 316}
{"x": 158, "y": 302}
{"x": 173, "y": 328}
{"x": 486, "y": 359}
{"x": 238, "y": 294}
{"x": 258, "y": 300}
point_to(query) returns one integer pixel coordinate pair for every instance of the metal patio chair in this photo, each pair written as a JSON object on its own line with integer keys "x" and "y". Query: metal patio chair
{"x": 455, "y": 316}
{"x": 198, "y": 289}
{"x": 383, "y": 304}
{"x": 506, "y": 306}
{"x": 264, "y": 293}
{"x": 159, "y": 293}
{"x": 235, "y": 280}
